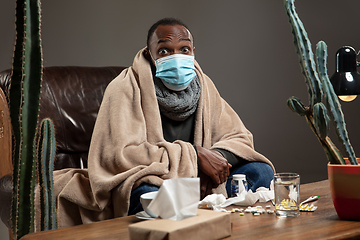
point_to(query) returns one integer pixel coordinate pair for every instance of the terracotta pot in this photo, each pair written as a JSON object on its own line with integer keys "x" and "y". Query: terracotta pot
{"x": 345, "y": 190}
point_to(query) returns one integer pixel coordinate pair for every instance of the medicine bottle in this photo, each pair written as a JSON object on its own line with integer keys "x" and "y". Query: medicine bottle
{"x": 238, "y": 184}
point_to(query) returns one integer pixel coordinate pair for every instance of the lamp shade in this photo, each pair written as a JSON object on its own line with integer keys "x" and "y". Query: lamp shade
{"x": 346, "y": 79}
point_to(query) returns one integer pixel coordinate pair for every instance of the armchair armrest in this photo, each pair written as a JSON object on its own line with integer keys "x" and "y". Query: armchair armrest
{"x": 5, "y": 137}
{"x": 6, "y": 166}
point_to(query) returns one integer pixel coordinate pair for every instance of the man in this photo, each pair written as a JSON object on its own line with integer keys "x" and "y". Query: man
{"x": 161, "y": 118}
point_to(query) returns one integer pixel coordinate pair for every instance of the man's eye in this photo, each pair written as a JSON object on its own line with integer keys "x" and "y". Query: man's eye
{"x": 186, "y": 50}
{"x": 163, "y": 51}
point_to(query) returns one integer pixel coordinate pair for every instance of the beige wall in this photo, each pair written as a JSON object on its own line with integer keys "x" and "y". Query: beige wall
{"x": 244, "y": 46}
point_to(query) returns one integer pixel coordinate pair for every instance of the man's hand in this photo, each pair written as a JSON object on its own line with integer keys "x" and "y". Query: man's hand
{"x": 214, "y": 165}
{"x": 206, "y": 184}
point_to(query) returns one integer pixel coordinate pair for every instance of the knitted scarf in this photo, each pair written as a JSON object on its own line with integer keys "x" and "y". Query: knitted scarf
{"x": 177, "y": 105}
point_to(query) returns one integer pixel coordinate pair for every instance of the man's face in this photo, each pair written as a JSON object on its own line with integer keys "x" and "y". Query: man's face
{"x": 168, "y": 40}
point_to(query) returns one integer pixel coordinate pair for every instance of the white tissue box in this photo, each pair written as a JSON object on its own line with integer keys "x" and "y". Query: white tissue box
{"x": 206, "y": 224}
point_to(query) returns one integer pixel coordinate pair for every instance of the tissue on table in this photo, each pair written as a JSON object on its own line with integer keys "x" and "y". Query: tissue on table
{"x": 218, "y": 201}
{"x": 177, "y": 198}
{"x": 212, "y": 200}
{"x": 262, "y": 194}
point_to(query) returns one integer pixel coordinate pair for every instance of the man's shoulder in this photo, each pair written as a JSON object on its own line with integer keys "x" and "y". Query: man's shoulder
{"x": 122, "y": 77}
{"x": 125, "y": 80}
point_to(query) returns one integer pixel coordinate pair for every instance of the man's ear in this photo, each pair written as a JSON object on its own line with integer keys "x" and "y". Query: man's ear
{"x": 147, "y": 55}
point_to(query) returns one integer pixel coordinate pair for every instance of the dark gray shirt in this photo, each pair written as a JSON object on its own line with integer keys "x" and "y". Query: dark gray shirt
{"x": 184, "y": 130}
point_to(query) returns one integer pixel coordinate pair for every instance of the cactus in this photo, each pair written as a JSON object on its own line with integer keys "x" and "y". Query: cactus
{"x": 306, "y": 56}
{"x": 318, "y": 83}
{"x": 24, "y": 109}
{"x": 45, "y": 156}
{"x": 332, "y": 102}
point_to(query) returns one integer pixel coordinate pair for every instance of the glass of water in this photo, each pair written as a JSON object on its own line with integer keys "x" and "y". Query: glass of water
{"x": 287, "y": 194}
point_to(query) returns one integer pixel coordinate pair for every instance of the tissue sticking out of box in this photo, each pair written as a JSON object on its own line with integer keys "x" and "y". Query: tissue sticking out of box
{"x": 177, "y": 199}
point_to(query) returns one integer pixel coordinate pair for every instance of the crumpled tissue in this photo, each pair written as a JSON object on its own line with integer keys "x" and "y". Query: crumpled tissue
{"x": 177, "y": 199}
{"x": 246, "y": 198}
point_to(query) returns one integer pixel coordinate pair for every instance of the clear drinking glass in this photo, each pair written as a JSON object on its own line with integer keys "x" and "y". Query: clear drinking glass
{"x": 287, "y": 194}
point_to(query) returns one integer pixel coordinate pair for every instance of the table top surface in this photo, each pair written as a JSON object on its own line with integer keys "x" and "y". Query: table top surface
{"x": 321, "y": 224}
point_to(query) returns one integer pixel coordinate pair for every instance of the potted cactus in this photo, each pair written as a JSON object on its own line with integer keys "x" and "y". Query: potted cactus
{"x": 324, "y": 107}
{"x": 33, "y": 152}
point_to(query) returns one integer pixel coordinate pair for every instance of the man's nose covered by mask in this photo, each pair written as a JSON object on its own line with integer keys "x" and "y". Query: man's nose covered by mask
{"x": 176, "y": 71}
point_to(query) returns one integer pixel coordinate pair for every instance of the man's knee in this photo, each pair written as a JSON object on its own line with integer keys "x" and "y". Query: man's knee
{"x": 135, "y": 204}
{"x": 265, "y": 170}
{"x": 259, "y": 174}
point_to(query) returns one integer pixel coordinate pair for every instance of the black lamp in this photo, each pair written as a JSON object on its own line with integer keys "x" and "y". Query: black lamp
{"x": 346, "y": 79}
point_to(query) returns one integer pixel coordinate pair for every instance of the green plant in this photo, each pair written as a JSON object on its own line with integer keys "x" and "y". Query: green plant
{"x": 319, "y": 89}
{"x": 45, "y": 161}
{"x": 24, "y": 109}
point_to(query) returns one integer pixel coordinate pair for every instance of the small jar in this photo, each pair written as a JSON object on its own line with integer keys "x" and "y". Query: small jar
{"x": 238, "y": 184}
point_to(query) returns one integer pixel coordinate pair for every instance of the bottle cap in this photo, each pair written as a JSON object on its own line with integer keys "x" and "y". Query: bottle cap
{"x": 239, "y": 176}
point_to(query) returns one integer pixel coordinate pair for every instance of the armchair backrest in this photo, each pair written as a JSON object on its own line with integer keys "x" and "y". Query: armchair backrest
{"x": 71, "y": 97}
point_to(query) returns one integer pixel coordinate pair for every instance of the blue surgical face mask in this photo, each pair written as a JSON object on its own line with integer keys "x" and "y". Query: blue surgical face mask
{"x": 176, "y": 71}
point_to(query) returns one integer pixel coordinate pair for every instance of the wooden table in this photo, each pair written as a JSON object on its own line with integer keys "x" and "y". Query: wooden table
{"x": 321, "y": 224}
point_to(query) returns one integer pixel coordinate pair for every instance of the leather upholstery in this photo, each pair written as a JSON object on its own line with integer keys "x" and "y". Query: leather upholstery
{"x": 5, "y": 199}
{"x": 71, "y": 97}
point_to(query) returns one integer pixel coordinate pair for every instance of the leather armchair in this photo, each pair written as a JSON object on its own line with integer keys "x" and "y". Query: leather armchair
{"x": 71, "y": 97}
